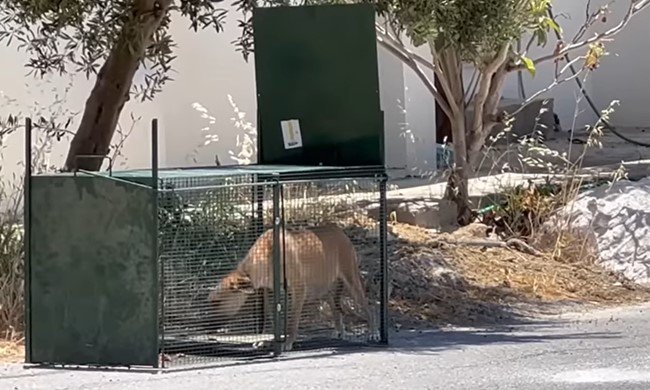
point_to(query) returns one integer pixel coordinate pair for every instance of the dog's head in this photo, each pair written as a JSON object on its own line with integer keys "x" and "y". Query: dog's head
{"x": 230, "y": 294}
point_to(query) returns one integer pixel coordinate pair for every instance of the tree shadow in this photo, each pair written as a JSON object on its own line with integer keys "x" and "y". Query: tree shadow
{"x": 436, "y": 341}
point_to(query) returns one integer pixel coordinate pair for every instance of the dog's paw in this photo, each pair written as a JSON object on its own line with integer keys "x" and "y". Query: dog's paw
{"x": 264, "y": 344}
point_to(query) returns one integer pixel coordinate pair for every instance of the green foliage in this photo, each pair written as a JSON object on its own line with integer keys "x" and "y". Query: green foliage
{"x": 476, "y": 29}
{"x": 530, "y": 65}
{"x": 525, "y": 208}
{"x": 77, "y": 35}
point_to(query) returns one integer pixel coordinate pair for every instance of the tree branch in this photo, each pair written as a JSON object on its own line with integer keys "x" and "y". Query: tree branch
{"x": 397, "y": 43}
{"x": 494, "y": 97}
{"x": 404, "y": 55}
{"x": 635, "y": 7}
{"x": 447, "y": 71}
{"x": 554, "y": 84}
{"x": 485, "y": 87}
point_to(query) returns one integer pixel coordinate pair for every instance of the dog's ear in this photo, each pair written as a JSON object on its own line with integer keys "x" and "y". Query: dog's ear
{"x": 244, "y": 284}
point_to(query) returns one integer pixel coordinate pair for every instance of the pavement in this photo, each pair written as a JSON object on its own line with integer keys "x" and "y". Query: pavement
{"x": 605, "y": 349}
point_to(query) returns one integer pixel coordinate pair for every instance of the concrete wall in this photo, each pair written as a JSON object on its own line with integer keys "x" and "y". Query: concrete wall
{"x": 624, "y": 74}
{"x": 420, "y": 125}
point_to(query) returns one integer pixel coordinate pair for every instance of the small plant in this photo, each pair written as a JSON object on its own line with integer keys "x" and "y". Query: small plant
{"x": 537, "y": 212}
{"x": 11, "y": 267}
{"x": 525, "y": 208}
{"x": 246, "y": 137}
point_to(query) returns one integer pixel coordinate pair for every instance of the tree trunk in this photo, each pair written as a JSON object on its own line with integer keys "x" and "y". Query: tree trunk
{"x": 458, "y": 183}
{"x": 113, "y": 85}
{"x": 450, "y": 70}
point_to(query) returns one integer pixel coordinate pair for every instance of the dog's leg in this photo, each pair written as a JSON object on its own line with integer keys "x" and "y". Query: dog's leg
{"x": 265, "y": 309}
{"x": 261, "y": 310}
{"x": 298, "y": 296}
{"x": 268, "y": 310}
{"x": 354, "y": 285}
{"x": 337, "y": 309}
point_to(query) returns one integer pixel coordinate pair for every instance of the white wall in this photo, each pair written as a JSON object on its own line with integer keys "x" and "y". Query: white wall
{"x": 420, "y": 126}
{"x": 624, "y": 74}
{"x": 391, "y": 91}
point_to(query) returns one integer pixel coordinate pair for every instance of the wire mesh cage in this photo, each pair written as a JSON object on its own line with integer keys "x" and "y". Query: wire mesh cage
{"x": 185, "y": 267}
{"x": 221, "y": 239}
{"x": 204, "y": 230}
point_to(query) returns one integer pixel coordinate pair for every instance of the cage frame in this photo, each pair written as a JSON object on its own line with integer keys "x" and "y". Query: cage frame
{"x": 275, "y": 179}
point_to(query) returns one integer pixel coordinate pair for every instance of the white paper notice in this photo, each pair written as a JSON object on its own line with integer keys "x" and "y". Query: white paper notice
{"x": 291, "y": 134}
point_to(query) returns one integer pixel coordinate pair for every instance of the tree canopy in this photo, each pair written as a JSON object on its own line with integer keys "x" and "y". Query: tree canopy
{"x": 475, "y": 28}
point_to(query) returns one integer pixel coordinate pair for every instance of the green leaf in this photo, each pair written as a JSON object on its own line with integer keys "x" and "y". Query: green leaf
{"x": 550, "y": 23}
{"x": 528, "y": 63}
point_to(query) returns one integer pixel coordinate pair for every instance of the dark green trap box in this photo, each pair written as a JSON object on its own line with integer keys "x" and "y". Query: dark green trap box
{"x": 317, "y": 66}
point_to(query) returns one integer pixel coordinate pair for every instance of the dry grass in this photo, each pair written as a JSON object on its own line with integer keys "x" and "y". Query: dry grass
{"x": 11, "y": 351}
{"x": 455, "y": 284}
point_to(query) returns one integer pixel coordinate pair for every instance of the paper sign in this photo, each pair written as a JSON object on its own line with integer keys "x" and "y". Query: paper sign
{"x": 291, "y": 134}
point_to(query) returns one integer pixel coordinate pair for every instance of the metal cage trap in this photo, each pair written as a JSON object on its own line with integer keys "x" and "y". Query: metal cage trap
{"x": 179, "y": 267}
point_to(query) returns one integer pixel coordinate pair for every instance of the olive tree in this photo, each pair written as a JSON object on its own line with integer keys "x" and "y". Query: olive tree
{"x": 106, "y": 39}
{"x": 483, "y": 35}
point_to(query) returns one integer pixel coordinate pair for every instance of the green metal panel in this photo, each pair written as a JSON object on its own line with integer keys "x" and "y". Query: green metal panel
{"x": 93, "y": 272}
{"x": 318, "y": 64}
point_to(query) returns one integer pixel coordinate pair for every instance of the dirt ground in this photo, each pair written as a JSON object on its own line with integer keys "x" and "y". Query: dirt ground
{"x": 440, "y": 284}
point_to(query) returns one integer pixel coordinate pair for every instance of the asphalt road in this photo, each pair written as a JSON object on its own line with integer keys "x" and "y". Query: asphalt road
{"x": 599, "y": 350}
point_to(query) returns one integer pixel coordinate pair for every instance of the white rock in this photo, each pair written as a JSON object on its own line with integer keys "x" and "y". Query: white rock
{"x": 619, "y": 217}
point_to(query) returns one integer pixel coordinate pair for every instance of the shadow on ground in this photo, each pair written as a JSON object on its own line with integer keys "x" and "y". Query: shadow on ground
{"x": 416, "y": 342}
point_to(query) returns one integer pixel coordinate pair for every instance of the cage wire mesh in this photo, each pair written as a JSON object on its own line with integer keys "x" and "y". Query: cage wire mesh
{"x": 207, "y": 226}
{"x": 337, "y": 211}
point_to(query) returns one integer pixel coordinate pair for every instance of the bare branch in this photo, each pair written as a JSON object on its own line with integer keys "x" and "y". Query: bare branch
{"x": 590, "y": 19}
{"x": 485, "y": 87}
{"x": 554, "y": 84}
{"x": 634, "y": 8}
{"x": 451, "y": 80}
{"x": 385, "y": 35}
{"x": 404, "y": 54}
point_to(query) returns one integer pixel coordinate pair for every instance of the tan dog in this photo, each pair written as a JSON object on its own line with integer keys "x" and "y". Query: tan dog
{"x": 318, "y": 261}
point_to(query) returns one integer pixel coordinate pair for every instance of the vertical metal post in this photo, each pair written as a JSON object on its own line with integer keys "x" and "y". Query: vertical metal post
{"x": 259, "y": 200}
{"x": 257, "y": 228}
{"x": 383, "y": 238}
{"x": 277, "y": 306}
{"x": 285, "y": 295}
{"x": 160, "y": 308}
{"x": 27, "y": 205}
